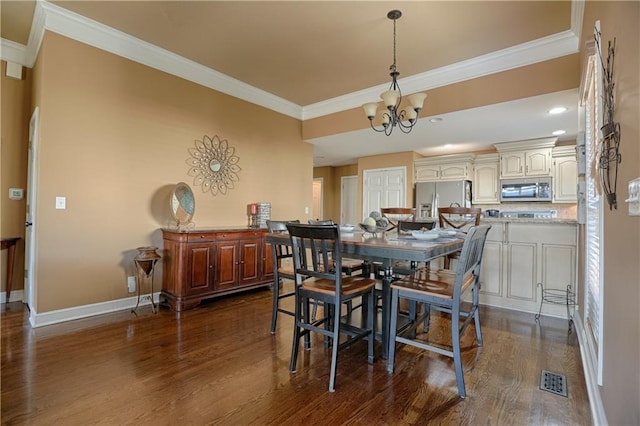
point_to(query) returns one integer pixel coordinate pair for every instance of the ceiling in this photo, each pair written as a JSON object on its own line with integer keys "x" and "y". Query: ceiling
{"x": 317, "y": 58}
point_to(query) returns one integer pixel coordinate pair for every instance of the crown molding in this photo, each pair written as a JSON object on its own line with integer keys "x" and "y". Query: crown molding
{"x": 543, "y": 49}
{"x": 50, "y": 17}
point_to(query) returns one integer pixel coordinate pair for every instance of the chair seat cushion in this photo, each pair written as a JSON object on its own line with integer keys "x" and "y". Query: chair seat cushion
{"x": 437, "y": 283}
{"x": 350, "y": 285}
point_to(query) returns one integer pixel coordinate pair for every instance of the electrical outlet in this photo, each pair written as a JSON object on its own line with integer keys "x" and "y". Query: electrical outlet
{"x": 131, "y": 283}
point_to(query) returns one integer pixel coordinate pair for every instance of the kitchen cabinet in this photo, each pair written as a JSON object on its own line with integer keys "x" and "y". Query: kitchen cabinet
{"x": 444, "y": 168}
{"x": 565, "y": 175}
{"x": 527, "y": 163}
{"x": 525, "y": 158}
{"x": 485, "y": 179}
{"x": 202, "y": 264}
{"x": 517, "y": 256}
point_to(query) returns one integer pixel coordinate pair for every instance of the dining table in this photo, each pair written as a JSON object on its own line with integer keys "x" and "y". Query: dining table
{"x": 386, "y": 248}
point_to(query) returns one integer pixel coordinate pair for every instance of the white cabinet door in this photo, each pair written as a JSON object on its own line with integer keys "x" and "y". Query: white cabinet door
{"x": 427, "y": 173}
{"x": 538, "y": 162}
{"x": 511, "y": 164}
{"x": 492, "y": 263}
{"x": 454, "y": 171}
{"x": 521, "y": 274}
{"x": 565, "y": 179}
{"x": 485, "y": 183}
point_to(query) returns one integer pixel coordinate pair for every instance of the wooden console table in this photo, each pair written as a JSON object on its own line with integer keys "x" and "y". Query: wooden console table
{"x": 201, "y": 264}
{"x": 10, "y": 243}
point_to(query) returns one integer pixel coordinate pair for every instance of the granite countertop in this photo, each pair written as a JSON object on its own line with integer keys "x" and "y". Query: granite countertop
{"x": 529, "y": 220}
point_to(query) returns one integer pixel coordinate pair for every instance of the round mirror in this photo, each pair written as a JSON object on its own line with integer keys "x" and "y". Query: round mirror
{"x": 215, "y": 165}
{"x": 183, "y": 204}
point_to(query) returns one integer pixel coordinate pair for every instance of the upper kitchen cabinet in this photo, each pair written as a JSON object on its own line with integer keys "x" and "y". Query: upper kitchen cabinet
{"x": 485, "y": 179}
{"x": 443, "y": 168}
{"x": 565, "y": 174}
{"x": 525, "y": 158}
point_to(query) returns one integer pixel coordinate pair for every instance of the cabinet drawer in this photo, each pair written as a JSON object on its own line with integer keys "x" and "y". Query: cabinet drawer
{"x": 542, "y": 232}
{"x": 236, "y": 235}
{"x": 194, "y": 237}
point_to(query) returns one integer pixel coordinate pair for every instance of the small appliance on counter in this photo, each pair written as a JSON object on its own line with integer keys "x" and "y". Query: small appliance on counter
{"x": 536, "y": 214}
{"x": 492, "y": 213}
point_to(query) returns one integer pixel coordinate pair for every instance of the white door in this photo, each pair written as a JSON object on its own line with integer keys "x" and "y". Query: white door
{"x": 316, "y": 212}
{"x": 384, "y": 188}
{"x": 30, "y": 219}
{"x": 349, "y": 200}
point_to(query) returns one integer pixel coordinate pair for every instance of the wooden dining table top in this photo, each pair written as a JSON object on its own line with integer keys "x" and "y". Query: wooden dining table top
{"x": 389, "y": 245}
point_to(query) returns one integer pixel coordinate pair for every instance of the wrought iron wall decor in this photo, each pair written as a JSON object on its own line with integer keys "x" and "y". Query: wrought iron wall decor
{"x": 609, "y": 152}
{"x": 213, "y": 165}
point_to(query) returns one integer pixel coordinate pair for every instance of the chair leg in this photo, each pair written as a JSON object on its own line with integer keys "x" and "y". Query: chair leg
{"x": 293, "y": 365}
{"x": 427, "y": 318}
{"x": 307, "y": 319}
{"x": 392, "y": 330}
{"x": 276, "y": 301}
{"x": 371, "y": 324}
{"x": 334, "y": 349}
{"x": 476, "y": 316}
{"x": 457, "y": 359}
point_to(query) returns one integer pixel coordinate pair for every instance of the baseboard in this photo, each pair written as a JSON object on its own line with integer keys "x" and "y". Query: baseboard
{"x": 16, "y": 296}
{"x": 85, "y": 311}
{"x": 590, "y": 367}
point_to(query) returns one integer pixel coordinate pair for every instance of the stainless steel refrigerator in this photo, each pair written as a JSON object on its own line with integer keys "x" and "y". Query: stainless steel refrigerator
{"x": 431, "y": 195}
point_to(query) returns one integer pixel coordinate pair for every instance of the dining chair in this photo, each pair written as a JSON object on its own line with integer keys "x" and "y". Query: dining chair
{"x": 318, "y": 279}
{"x": 394, "y": 214}
{"x": 282, "y": 255}
{"x": 459, "y": 218}
{"x": 441, "y": 290}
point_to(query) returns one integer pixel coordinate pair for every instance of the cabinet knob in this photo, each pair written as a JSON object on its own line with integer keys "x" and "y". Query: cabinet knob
{"x": 201, "y": 236}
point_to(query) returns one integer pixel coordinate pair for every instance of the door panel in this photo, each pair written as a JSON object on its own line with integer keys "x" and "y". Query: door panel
{"x": 384, "y": 188}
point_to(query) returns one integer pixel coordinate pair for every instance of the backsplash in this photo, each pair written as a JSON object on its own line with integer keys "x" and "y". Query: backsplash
{"x": 564, "y": 211}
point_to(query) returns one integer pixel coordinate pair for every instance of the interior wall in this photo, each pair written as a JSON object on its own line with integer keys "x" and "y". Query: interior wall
{"x": 621, "y": 239}
{"x": 16, "y": 113}
{"x": 333, "y": 187}
{"x": 115, "y": 138}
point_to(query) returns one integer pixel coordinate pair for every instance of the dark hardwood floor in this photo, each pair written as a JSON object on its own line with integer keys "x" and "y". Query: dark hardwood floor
{"x": 218, "y": 364}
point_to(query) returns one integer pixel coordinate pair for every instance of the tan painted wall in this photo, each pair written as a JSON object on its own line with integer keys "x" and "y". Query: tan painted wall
{"x": 467, "y": 94}
{"x": 114, "y": 139}
{"x": 621, "y": 240}
{"x": 16, "y": 112}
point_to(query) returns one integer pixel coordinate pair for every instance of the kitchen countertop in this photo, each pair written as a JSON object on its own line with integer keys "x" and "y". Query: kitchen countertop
{"x": 528, "y": 220}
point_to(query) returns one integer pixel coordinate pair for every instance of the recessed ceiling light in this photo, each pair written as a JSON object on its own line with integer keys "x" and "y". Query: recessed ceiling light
{"x": 557, "y": 110}
{"x": 448, "y": 145}
{"x": 558, "y": 132}
{"x": 435, "y": 119}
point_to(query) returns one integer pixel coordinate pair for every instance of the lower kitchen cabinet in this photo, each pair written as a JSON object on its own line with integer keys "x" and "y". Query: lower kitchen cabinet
{"x": 198, "y": 265}
{"x": 518, "y": 255}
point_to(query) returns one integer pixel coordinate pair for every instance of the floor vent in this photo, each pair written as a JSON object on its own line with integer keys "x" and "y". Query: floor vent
{"x": 553, "y": 382}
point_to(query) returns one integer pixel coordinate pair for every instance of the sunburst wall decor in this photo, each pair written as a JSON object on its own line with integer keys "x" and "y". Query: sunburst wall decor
{"x": 213, "y": 165}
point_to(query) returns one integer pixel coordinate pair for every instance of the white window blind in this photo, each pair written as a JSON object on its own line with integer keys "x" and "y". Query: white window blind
{"x": 594, "y": 206}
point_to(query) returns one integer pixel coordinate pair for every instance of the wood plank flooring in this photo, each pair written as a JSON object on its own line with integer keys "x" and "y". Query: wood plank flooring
{"x": 219, "y": 365}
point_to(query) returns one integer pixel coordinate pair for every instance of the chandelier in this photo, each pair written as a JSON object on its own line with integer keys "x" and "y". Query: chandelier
{"x": 406, "y": 118}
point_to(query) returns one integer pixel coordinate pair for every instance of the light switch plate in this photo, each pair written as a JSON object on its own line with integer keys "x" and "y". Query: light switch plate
{"x": 16, "y": 193}
{"x": 634, "y": 197}
{"x": 61, "y": 203}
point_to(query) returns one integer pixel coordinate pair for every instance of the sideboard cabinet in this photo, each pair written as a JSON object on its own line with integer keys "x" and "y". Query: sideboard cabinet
{"x": 208, "y": 263}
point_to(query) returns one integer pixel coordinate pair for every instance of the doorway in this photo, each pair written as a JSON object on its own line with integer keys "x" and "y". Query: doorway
{"x": 384, "y": 188}
{"x": 316, "y": 210}
{"x": 349, "y": 200}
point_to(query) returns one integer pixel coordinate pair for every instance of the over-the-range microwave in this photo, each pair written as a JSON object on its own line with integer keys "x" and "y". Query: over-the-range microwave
{"x": 525, "y": 189}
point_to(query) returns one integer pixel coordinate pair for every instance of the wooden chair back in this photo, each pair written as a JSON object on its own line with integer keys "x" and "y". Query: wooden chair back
{"x": 458, "y": 217}
{"x": 395, "y": 214}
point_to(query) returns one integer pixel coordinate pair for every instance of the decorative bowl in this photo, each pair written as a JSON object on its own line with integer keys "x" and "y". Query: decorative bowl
{"x": 425, "y": 235}
{"x": 372, "y": 228}
{"x": 347, "y": 228}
